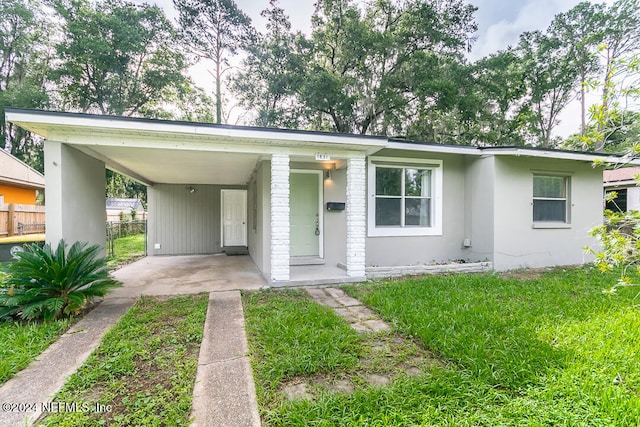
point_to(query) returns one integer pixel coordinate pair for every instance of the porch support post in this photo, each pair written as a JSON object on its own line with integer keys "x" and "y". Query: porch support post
{"x": 74, "y": 189}
{"x": 280, "y": 217}
{"x": 356, "y": 216}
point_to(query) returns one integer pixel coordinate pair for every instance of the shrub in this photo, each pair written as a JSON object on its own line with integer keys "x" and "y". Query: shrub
{"x": 619, "y": 239}
{"x": 49, "y": 284}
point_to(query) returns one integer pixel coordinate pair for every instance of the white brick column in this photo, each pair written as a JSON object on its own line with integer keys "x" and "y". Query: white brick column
{"x": 356, "y": 216}
{"x": 280, "y": 217}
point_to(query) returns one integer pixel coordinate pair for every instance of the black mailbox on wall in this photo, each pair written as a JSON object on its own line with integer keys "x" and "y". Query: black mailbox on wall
{"x": 335, "y": 206}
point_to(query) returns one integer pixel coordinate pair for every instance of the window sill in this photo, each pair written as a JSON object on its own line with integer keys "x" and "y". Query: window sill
{"x": 550, "y": 225}
{"x": 403, "y": 232}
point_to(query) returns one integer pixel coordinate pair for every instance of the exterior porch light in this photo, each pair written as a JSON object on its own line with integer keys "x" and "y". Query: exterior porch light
{"x": 328, "y": 172}
{"x": 191, "y": 189}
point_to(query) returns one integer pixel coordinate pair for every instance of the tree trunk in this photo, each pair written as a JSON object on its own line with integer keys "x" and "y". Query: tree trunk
{"x": 583, "y": 107}
{"x": 218, "y": 93}
{"x": 604, "y": 112}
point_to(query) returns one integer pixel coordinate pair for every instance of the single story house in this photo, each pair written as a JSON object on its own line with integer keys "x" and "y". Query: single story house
{"x": 19, "y": 182}
{"x": 127, "y": 209}
{"x": 623, "y": 182}
{"x": 320, "y": 199}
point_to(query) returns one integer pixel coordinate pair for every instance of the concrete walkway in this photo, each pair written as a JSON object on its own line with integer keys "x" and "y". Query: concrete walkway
{"x": 36, "y": 385}
{"x": 360, "y": 318}
{"x": 224, "y": 393}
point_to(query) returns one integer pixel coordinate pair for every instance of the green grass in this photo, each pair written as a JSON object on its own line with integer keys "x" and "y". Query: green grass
{"x": 126, "y": 249}
{"x": 552, "y": 351}
{"x": 144, "y": 368}
{"x": 22, "y": 342}
{"x": 291, "y": 336}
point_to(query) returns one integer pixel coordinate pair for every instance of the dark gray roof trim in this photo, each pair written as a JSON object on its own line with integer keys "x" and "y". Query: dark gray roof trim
{"x": 188, "y": 123}
{"x": 301, "y": 132}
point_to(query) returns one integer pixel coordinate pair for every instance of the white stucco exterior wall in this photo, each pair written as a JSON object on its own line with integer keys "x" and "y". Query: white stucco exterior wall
{"x": 280, "y": 230}
{"x": 633, "y": 199}
{"x": 335, "y": 222}
{"x": 75, "y": 192}
{"x": 517, "y": 243}
{"x": 447, "y": 246}
{"x": 479, "y": 208}
{"x": 260, "y": 234}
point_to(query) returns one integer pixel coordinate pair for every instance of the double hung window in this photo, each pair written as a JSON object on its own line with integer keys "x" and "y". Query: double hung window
{"x": 550, "y": 198}
{"x": 403, "y": 198}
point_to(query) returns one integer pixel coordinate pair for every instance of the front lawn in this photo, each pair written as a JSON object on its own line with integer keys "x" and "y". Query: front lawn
{"x": 23, "y": 341}
{"x": 127, "y": 249}
{"x": 552, "y": 350}
{"x": 144, "y": 370}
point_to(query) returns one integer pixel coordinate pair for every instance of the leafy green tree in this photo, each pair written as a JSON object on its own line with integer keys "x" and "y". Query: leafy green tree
{"x": 581, "y": 30}
{"x": 52, "y": 283}
{"x": 367, "y": 72}
{"x": 500, "y": 94}
{"x": 272, "y": 74}
{"x": 215, "y": 29}
{"x": 118, "y": 58}
{"x": 623, "y": 134}
{"x": 619, "y": 50}
{"x": 194, "y": 105}
{"x": 609, "y": 43}
{"x": 448, "y": 105}
{"x": 619, "y": 246}
{"x": 24, "y": 41}
{"x": 551, "y": 77}
{"x": 475, "y": 104}
{"x": 121, "y": 186}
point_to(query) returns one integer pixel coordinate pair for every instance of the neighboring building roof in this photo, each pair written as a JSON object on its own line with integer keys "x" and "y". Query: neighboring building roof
{"x": 622, "y": 176}
{"x": 118, "y": 204}
{"x": 17, "y": 173}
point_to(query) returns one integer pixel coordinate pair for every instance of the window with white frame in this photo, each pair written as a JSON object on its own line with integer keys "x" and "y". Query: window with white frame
{"x": 404, "y": 197}
{"x": 550, "y": 198}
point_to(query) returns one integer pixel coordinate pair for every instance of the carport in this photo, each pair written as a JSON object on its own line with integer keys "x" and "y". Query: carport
{"x": 187, "y": 274}
{"x": 213, "y": 188}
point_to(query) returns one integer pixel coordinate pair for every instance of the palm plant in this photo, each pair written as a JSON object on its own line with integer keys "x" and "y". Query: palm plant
{"x": 49, "y": 284}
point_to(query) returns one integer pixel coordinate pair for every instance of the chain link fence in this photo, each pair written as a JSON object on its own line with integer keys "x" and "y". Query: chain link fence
{"x": 118, "y": 229}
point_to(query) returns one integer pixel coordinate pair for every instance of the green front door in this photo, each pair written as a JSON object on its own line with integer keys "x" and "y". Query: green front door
{"x": 305, "y": 222}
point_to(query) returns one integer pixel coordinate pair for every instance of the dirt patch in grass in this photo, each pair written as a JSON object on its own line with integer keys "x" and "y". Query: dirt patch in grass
{"x": 144, "y": 369}
{"x": 118, "y": 265}
{"x": 385, "y": 357}
{"x": 534, "y": 273}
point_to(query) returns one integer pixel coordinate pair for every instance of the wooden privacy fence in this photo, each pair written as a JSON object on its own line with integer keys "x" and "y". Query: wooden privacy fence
{"x": 21, "y": 219}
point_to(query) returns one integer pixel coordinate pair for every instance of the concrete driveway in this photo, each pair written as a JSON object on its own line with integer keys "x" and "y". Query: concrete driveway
{"x": 187, "y": 274}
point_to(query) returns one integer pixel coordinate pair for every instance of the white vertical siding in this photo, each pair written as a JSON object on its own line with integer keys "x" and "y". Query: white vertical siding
{"x": 183, "y": 222}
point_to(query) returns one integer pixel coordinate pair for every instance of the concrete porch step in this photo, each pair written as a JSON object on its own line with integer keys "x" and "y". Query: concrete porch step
{"x": 306, "y": 260}
{"x": 235, "y": 250}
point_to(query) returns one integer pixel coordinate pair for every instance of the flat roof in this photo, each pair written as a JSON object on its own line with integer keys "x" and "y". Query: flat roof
{"x": 40, "y": 121}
